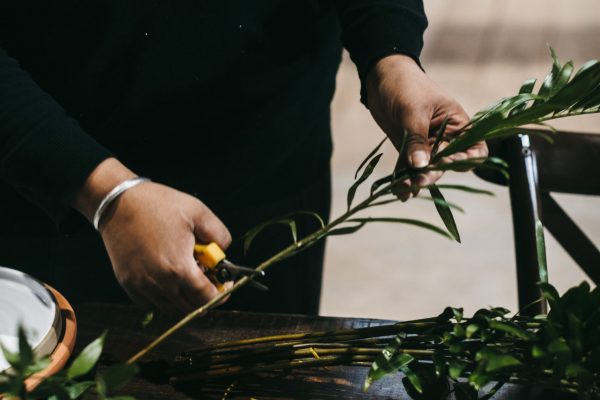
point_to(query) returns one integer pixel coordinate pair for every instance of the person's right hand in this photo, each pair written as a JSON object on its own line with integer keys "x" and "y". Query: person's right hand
{"x": 149, "y": 232}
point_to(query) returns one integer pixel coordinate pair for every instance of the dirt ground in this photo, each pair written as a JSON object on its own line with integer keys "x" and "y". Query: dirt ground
{"x": 477, "y": 51}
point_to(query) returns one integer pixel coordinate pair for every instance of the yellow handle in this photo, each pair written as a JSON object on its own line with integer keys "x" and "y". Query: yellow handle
{"x": 209, "y": 255}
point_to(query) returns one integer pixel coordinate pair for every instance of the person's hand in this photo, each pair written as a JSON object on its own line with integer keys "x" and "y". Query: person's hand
{"x": 401, "y": 96}
{"x": 149, "y": 232}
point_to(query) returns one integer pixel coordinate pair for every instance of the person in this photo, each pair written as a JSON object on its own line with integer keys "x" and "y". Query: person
{"x": 224, "y": 105}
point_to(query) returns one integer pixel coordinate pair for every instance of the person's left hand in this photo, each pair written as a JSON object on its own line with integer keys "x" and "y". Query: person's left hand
{"x": 401, "y": 96}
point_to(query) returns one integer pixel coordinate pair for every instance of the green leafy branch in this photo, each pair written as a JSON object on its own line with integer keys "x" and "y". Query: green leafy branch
{"x": 472, "y": 356}
{"x": 71, "y": 383}
{"x": 562, "y": 94}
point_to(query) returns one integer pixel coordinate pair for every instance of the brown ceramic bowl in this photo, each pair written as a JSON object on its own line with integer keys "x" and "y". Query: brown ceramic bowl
{"x": 63, "y": 350}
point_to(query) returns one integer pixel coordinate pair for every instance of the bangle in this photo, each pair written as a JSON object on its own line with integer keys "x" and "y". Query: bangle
{"x": 113, "y": 194}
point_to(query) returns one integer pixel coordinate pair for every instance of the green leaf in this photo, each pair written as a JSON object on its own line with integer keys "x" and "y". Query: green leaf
{"x": 371, "y": 154}
{"x": 382, "y": 367}
{"x": 346, "y": 230}
{"x": 501, "y": 361}
{"x": 549, "y": 292}
{"x": 389, "y": 361}
{"x": 540, "y": 247}
{"x": 479, "y": 378}
{"x": 563, "y": 77}
{"x": 464, "y": 188}
{"x": 148, "y": 317}
{"x": 440, "y": 201}
{"x": 76, "y": 390}
{"x": 526, "y": 88}
{"x": 87, "y": 359}
{"x": 550, "y": 81}
{"x": 12, "y": 358}
{"x": 471, "y": 330}
{"x": 365, "y": 175}
{"x": 37, "y": 366}
{"x": 117, "y": 375}
{"x": 537, "y": 351}
{"x": 25, "y": 351}
{"x": 407, "y": 221}
{"x": 281, "y": 220}
{"x": 511, "y": 329}
{"x": 121, "y": 398}
{"x": 439, "y": 135}
{"x": 413, "y": 379}
{"x": 459, "y": 331}
{"x": 444, "y": 211}
{"x": 456, "y": 368}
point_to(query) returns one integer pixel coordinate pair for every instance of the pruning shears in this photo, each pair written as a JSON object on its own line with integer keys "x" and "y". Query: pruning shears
{"x": 220, "y": 270}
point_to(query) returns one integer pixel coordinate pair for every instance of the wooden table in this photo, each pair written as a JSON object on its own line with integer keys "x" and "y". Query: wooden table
{"x": 126, "y": 336}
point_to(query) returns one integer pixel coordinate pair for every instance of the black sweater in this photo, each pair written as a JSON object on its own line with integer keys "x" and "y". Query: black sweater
{"x": 228, "y": 100}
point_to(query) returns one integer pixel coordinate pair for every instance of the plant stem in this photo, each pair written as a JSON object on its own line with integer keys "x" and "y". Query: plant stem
{"x": 291, "y": 249}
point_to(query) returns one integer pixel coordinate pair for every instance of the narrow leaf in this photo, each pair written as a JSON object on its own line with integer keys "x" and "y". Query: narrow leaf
{"x": 442, "y": 202}
{"x": 405, "y": 221}
{"x": 445, "y": 212}
{"x": 389, "y": 361}
{"x": 346, "y": 230}
{"x": 371, "y": 154}
{"x": 281, "y": 220}
{"x": 413, "y": 378}
{"x": 439, "y": 135}
{"x": 465, "y": 188}
{"x": 526, "y": 87}
{"x": 541, "y": 251}
{"x": 551, "y": 78}
{"x": 501, "y": 361}
{"x": 511, "y": 329}
{"x": 365, "y": 175}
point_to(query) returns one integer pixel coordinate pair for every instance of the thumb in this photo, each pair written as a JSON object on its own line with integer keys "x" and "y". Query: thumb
{"x": 418, "y": 151}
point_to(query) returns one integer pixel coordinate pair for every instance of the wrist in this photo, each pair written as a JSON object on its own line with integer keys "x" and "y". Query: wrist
{"x": 103, "y": 179}
{"x": 392, "y": 66}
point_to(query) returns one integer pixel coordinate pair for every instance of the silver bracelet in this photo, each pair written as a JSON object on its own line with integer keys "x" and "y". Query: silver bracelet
{"x": 113, "y": 194}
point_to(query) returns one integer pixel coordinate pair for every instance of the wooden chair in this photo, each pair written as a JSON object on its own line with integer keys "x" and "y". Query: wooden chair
{"x": 537, "y": 168}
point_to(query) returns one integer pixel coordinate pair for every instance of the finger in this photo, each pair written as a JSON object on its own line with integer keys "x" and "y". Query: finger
{"x": 417, "y": 149}
{"x": 478, "y": 150}
{"x": 226, "y": 286}
{"x": 209, "y": 228}
{"x": 197, "y": 288}
{"x": 424, "y": 180}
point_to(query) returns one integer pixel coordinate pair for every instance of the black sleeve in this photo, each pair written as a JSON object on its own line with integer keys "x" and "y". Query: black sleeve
{"x": 373, "y": 29}
{"x": 44, "y": 154}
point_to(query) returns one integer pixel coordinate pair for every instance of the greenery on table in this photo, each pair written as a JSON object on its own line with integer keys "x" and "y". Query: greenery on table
{"x": 73, "y": 382}
{"x": 472, "y": 357}
{"x": 561, "y": 350}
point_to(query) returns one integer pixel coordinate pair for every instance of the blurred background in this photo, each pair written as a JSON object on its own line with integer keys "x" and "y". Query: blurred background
{"x": 478, "y": 51}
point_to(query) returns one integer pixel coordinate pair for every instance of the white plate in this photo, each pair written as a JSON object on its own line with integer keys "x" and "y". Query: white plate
{"x": 25, "y": 301}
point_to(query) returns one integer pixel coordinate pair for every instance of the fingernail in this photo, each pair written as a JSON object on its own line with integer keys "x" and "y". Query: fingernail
{"x": 419, "y": 159}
